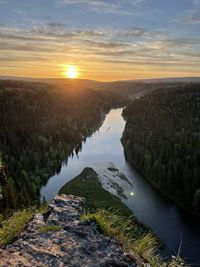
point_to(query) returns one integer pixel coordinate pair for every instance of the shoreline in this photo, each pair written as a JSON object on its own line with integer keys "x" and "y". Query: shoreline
{"x": 164, "y": 194}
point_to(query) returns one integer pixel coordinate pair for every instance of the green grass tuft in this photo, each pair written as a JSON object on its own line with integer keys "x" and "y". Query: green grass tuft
{"x": 177, "y": 262}
{"x": 15, "y": 224}
{"x": 143, "y": 248}
{"x": 42, "y": 209}
{"x": 146, "y": 247}
{"x": 46, "y": 228}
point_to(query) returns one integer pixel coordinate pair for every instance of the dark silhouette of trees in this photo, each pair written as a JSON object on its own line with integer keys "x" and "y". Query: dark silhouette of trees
{"x": 162, "y": 139}
{"x": 40, "y": 126}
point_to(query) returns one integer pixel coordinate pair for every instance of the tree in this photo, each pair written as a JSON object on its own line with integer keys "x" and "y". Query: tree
{"x": 196, "y": 200}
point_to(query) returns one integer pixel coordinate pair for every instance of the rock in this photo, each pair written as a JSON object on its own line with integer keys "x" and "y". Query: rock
{"x": 75, "y": 243}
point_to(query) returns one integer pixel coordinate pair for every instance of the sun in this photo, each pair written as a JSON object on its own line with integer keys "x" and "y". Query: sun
{"x": 71, "y": 72}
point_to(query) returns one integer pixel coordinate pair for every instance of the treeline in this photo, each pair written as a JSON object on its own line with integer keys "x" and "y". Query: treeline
{"x": 40, "y": 126}
{"x": 162, "y": 139}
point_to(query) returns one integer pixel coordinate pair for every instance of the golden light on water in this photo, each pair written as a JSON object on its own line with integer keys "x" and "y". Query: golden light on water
{"x": 71, "y": 72}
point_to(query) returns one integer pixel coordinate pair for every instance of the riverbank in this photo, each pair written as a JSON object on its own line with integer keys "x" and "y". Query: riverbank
{"x": 88, "y": 186}
{"x": 161, "y": 138}
{"x": 164, "y": 193}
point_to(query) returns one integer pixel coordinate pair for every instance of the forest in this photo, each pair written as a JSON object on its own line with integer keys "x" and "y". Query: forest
{"x": 41, "y": 125}
{"x": 162, "y": 139}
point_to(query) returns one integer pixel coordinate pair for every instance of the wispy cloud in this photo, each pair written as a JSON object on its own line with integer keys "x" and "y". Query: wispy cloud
{"x": 45, "y": 46}
{"x": 105, "y": 6}
{"x": 158, "y": 36}
{"x": 192, "y": 16}
{"x": 58, "y": 41}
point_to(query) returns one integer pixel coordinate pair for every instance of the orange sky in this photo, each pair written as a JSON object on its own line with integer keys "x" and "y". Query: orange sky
{"x": 98, "y": 71}
{"x": 106, "y": 40}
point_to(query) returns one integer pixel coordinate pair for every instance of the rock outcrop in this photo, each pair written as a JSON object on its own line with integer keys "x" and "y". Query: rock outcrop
{"x": 73, "y": 242}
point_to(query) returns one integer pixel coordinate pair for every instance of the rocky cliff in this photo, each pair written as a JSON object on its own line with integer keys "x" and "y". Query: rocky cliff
{"x": 61, "y": 238}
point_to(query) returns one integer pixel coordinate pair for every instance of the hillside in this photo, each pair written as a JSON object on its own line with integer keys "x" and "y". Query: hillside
{"x": 132, "y": 88}
{"x": 162, "y": 139}
{"x": 41, "y": 126}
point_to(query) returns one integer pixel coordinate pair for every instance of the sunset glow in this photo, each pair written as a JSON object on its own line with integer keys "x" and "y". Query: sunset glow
{"x": 107, "y": 40}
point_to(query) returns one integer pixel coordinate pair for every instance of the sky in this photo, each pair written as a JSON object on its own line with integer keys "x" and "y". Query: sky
{"x": 106, "y": 39}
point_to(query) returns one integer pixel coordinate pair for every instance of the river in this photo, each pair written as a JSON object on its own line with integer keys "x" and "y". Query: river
{"x": 169, "y": 222}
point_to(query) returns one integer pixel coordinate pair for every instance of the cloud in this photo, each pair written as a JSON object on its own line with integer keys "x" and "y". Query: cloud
{"x": 96, "y": 5}
{"x": 17, "y": 11}
{"x": 105, "y": 6}
{"x": 54, "y": 42}
{"x": 135, "y": 2}
{"x": 193, "y": 15}
{"x": 54, "y": 33}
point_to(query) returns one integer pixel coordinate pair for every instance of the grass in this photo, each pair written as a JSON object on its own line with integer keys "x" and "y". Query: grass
{"x": 142, "y": 248}
{"x": 15, "y": 224}
{"x": 46, "y": 228}
{"x": 1, "y": 218}
{"x": 177, "y": 262}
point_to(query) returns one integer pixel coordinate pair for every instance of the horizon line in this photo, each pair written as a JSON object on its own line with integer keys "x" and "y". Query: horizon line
{"x": 2, "y": 77}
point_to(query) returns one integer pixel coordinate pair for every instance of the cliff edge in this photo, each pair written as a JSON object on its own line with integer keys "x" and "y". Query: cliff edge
{"x": 61, "y": 238}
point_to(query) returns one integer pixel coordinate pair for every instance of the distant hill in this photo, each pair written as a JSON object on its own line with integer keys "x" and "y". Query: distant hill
{"x": 124, "y": 87}
{"x": 174, "y": 80}
{"x": 92, "y": 82}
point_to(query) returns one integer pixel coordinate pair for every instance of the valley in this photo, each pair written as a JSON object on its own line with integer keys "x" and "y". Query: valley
{"x": 52, "y": 133}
